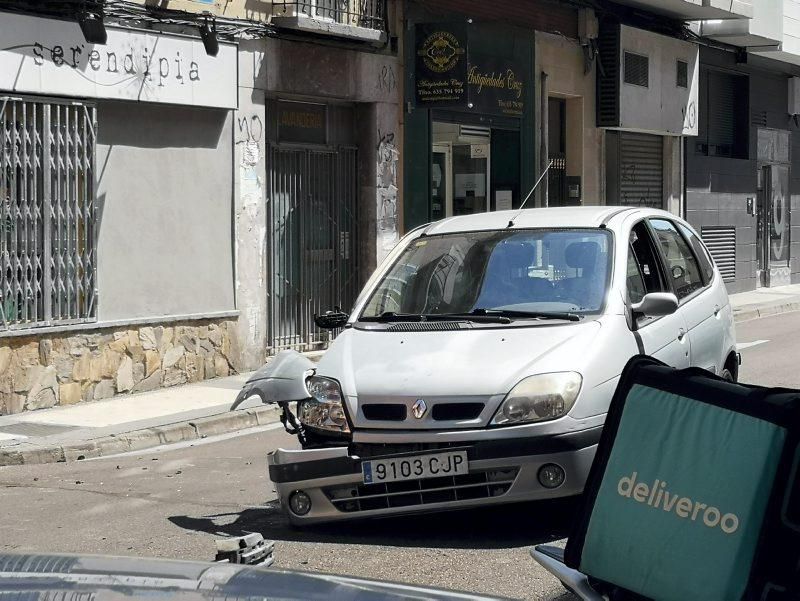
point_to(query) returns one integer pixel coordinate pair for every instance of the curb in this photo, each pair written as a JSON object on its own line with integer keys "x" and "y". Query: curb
{"x": 138, "y": 440}
{"x": 756, "y": 312}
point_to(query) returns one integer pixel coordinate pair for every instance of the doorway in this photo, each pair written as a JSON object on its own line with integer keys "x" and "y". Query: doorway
{"x": 312, "y": 243}
{"x": 772, "y": 223}
{"x": 773, "y": 218}
{"x": 460, "y": 169}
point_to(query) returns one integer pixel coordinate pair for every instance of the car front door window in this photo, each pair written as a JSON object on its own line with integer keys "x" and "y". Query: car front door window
{"x": 661, "y": 337}
{"x": 644, "y": 273}
{"x": 682, "y": 267}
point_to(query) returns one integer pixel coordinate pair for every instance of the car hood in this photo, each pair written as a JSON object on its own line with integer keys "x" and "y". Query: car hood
{"x": 113, "y": 578}
{"x": 475, "y": 365}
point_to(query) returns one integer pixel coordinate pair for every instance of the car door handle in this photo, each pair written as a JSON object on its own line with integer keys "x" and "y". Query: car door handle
{"x": 681, "y": 334}
{"x": 716, "y": 310}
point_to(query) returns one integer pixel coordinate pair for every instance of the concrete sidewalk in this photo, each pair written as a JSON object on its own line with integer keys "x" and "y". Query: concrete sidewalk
{"x": 193, "y": 411}
{"x": 765, "y": 301}
{"x": 129, "y": 422}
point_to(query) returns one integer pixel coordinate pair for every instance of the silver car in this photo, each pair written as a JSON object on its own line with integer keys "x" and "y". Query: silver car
{"x": 478, "y": 363}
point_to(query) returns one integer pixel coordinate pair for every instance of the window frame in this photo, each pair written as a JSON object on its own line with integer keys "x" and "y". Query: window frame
{"x": 644, "y": 320}
{"x": 665, "y": 262}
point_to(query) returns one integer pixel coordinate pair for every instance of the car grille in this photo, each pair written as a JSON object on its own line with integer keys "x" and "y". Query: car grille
{"x": 454, "y": 411}
{"x": 374, "y": 450}
{"x": 384, "y": 412}
{"x": 395, "y": 412}
{"x": 485, "y": 484}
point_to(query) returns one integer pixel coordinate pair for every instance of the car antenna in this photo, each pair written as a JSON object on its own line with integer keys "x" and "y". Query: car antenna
{"x": 527, "y": 198}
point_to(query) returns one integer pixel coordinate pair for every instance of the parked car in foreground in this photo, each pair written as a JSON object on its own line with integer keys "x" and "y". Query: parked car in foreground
{"x": 478, "y": 363}
{"x": 101, "y": 578}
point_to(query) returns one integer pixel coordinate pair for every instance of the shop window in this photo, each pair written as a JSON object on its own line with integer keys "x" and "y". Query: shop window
{"x": 47, "y": 213}
{"x": 724, "y": 115}
{"x": 637, "y": 69}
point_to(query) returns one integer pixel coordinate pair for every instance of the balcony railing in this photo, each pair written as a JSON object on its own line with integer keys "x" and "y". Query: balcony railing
{"x": 369, "y": 14}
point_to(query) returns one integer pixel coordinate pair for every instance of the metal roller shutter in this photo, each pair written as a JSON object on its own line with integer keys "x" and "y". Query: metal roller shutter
{"x": 641, "y": 165}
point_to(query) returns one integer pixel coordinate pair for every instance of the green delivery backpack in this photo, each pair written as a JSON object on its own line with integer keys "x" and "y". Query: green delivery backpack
{"x": 694, "y": 492}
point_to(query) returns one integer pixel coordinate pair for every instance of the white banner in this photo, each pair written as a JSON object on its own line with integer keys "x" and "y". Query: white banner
{"x": 50, "y": 57}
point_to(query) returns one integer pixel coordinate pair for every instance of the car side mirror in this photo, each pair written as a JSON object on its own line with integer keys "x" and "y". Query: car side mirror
{"x": 331, "y": 320}
{"x": 656, "y": 304}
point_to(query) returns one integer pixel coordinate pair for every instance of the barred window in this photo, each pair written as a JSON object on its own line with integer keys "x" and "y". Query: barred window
{"x": 47, "y": 213}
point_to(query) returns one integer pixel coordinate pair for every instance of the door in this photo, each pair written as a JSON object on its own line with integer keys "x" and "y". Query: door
{"x": 690, "y": 275}
{"x": 313, "y": 242}
{"x": 773, "y": 224}
{"x": 635, "y": 169}
{"x": 665, "y": 338}
{"x": 471, "y": 178}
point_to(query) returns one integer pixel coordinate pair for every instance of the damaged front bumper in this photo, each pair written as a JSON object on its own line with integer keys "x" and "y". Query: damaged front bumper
{"x": 500, "y": 471}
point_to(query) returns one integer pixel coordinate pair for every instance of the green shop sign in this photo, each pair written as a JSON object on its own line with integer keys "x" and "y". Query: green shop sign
{"x": 450, "y": 75}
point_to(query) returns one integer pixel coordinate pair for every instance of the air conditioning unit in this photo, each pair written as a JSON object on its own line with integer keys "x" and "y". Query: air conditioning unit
{"x": 647, "y": 82}
{"x": 794, "y": 96}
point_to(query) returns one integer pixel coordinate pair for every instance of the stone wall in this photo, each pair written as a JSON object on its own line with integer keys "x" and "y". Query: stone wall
{"x": 40, "y": 371}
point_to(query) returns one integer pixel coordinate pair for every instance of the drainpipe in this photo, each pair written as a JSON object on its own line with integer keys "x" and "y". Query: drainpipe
{"x": 545, "y": 138}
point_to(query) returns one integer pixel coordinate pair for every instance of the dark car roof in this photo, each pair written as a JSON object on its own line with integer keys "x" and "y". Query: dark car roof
{"x": 95, "y": 578}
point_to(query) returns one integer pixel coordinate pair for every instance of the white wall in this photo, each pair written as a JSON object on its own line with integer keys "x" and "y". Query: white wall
{"x": 662, "y": 107}
{"x": 791, "y": 27}
{"x": 249, "y": 205}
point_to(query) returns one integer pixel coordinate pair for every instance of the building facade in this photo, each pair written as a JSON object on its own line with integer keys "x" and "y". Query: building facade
{"x": 472, "y": 118}
{"x": 743, "y": 167}
{"x": 180, "y": 198}
{"x": 115, "y": 184}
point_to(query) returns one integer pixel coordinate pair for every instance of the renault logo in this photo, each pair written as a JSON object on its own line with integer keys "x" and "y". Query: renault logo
{"x": 419, "y": 408}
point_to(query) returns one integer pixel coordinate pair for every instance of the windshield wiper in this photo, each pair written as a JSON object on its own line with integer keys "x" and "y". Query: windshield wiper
{"x": 392, "y": 317}
{"x": 527, "y": 314}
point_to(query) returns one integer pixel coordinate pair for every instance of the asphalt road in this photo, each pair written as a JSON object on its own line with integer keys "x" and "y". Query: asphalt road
{"x": 173, "y": 502}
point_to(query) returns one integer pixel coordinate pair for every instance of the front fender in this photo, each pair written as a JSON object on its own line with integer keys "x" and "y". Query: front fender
{"x": 281, "y": 380}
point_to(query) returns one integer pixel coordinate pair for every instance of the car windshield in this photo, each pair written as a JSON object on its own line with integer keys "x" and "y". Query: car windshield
{"x": 537, "y": 271}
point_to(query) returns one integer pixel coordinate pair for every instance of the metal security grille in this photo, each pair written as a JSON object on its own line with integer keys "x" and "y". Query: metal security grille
{"x": 721, "y": 243}
{"x": 47, "y": 213}
{"x": 557, "y": 181}
{"x": 608, "y": 84}
{"x": 370, "y": 14}
{"x": 641, "y": 177}
{"x": 637, "y": 69}
{"x": 313, "y": 244}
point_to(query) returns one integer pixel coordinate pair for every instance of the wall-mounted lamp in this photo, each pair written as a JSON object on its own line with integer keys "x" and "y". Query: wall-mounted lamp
{"x": 92, "y": 27}
{"x": 208, "y": 33}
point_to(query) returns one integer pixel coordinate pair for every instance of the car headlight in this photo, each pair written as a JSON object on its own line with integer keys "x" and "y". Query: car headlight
{"x": 325, "y": 410}
{"x": 539, "y": 398}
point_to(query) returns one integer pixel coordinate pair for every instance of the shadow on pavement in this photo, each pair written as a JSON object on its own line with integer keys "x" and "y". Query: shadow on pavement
{"x": 498, "y": 527}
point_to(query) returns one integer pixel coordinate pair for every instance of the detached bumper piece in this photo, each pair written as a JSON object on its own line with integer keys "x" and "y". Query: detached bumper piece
{"x": 251, "y": 550}
{"x": 486, "y": 484}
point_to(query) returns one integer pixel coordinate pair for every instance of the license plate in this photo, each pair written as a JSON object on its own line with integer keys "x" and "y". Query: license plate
{"x": 415, "y": 467}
